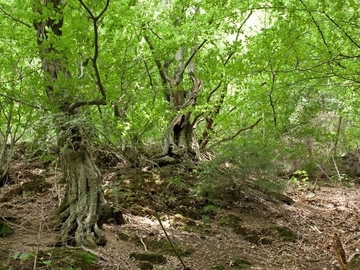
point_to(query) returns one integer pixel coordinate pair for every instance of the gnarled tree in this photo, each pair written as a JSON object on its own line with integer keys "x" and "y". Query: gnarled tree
{"x": 84, "y": 208}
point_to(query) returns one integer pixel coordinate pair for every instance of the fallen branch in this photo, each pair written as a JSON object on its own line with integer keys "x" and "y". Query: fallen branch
{"x": 339, "y": 252}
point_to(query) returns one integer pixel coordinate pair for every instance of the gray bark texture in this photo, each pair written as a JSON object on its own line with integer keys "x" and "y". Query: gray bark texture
{"x": 84, "y": 208}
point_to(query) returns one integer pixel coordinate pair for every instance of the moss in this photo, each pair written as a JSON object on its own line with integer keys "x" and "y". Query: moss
{"x": 5, "y": 230}
{"x": 209, "y": 209}
{"x": 241, "y": 263}
{"x": 123, "y": 236}
{"x": 354, "y": 263}
{"x": 149, "y": 257}
{"x": 162, "y": 246}
{"x": 285, "y": 233}
{"x": 145, "y": 266}
{"x": 27, "y": 189}
{"x": 75, "y": 258}
{"x": 230, "y": 220}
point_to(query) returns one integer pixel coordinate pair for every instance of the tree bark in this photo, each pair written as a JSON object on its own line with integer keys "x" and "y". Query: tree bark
{"x": 180, "y": 140}
{"x": 84, "y": 208}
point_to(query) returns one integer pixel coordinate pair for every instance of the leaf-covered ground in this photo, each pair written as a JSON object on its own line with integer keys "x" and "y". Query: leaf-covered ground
{"x": 253, "y": 230}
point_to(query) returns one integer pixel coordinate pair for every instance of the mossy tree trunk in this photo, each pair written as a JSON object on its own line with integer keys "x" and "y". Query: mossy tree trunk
{"x": 84, "y": 208}
{"x": 180, "y": 137}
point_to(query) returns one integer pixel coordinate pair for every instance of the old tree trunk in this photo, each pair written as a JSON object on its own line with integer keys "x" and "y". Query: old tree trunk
{"x": 84, "y": 208}
{"x": 180, "y": 138}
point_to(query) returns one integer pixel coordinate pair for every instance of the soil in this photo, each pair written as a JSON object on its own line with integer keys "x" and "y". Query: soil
{"x": 161, "y": 222}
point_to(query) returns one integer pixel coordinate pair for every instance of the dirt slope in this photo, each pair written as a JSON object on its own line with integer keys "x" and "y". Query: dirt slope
{"x": 254, "y": 232}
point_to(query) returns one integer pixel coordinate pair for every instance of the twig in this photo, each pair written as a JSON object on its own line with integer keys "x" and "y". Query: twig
{"x": 142, "y": 242}
{"x": 336, "y": 167}
{"x": 321, "y": 169}
{"x": 38, "y": 245}
{"x": 97, "y": 254}
{"x": 20, "y": 101}
{"x": 339, "y": 252}
{"x": 166, "y": 234}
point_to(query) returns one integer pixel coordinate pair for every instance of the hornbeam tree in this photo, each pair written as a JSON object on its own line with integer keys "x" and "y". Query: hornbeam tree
{"x": 84, "y": 208}
{"x": 200, "y": 37}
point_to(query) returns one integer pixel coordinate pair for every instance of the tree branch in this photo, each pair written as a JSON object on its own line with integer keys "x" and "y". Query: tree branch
{"x": 273, "y": 76}
{"x": 96, "y": 50}
{"x": 317, "y": 26}
{"x": 20, "y": 101}
{"x": 192, "y": 56}
{"x": 78, "y": 104}
{"x": 15, "y": 19}
{"x": 159, "y": 66}
{"x": 236, "y": 134}
{"x": 338, "y": 26}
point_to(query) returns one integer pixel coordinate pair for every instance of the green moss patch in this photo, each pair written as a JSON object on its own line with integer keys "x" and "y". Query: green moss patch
{"x": 75, "y": 258}
{"x": 285, "y": 233}
{"x": 5, "y": 229}
{"x": 27, "y": 189}
{"x": 162, "y": 246}
{"x": 149, "y": 257}
{"x": 241, "y": 263}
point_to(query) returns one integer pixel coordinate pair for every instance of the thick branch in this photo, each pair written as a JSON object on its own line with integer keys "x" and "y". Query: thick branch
{"x": 96, "y": 46}
{"x": 192, "y": 56}
{"x": 78, "y": 104}
{"x": 159, "y": 66}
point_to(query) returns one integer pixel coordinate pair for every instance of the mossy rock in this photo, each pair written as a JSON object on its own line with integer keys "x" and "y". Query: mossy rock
{"x": 162, "y": 246}
{"x": 66, "y": 258}
{"x": 145, "y": 266}
{"x": 149, "y": 257}
{"x": 123, "y": 236}
{"x": 241, "y": 263}
{"x": 5, "y": 229}
{"x": 179, "y": 220}
{"x": 229, "y": 219}
{"x": 27, "y": 189}
{"x": 354, "y": 263}
{"x": 57, "y": 258}
{"x": 285, "y": 233}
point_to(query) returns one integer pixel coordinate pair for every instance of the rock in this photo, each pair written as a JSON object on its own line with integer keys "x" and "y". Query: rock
{"x": 145, "y": 266}
{"x": 149, "y": 257}
{"x": 285, "y": 233}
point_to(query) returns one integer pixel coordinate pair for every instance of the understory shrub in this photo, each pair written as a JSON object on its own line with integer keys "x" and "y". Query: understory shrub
{"x": 233, "y": 165}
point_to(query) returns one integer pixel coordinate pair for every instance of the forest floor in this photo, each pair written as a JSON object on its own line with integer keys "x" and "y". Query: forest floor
{"x": 252, "y": 229}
